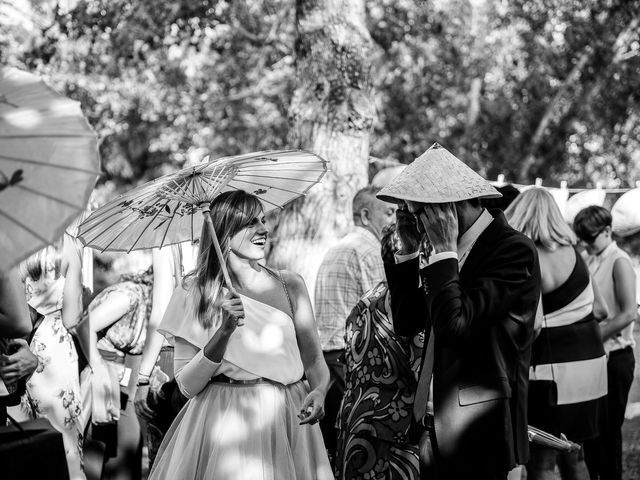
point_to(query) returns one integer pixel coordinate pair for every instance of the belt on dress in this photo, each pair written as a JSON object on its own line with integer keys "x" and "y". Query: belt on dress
{"x": 254, "y": 381}
{"x": 111, "y": 356}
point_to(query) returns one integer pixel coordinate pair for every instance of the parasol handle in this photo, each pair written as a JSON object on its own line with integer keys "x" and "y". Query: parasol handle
{"x": 216, "y": 245}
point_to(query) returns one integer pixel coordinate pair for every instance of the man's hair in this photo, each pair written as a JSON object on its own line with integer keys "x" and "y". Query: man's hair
{"x": 509, "y": 194}
{"x": 474, "y": 202}
{"x": 591, "y": 220}
{"x": 364, "y": 198}
{"x": 536, "y": 214}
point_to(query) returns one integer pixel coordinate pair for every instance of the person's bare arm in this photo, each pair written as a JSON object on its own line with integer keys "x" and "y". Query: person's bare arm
{"x": 72, "y": 270}
{"x": 600, "y": 310}
{"x": 313, "y": 361}
{"x": 15, "y": 320}
{"x": 21, "y": 363}
{"x": 108, "y": 311}
{"x": 163, "y": 286}
{"x": 624, "y": 280}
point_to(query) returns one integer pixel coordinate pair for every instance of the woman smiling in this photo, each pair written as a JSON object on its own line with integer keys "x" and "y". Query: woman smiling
{"x": 240, "y": 356}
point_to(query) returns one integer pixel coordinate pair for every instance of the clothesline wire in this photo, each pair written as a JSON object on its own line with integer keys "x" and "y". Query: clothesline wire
{"x": 500, "y": 182}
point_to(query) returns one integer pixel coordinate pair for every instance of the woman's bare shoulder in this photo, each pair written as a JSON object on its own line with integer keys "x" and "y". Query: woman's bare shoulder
{"x": 556, "y": 266}
{"x": 292, "y": 279}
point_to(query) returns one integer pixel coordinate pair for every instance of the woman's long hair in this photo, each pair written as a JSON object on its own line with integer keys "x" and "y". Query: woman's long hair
{"x": 230, "y": 213}
{"x": 536, "y": 214}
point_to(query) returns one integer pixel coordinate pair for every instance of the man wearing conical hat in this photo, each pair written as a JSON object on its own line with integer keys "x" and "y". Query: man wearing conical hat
{"x": 476, "y": 299}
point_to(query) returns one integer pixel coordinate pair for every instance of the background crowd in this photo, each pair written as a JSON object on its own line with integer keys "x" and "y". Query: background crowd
{"x": 110, "y": 387}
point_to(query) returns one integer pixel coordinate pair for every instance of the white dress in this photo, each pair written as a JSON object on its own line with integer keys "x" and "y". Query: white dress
{"x": 53, "y": 391}
{"x": 237, "y": 431}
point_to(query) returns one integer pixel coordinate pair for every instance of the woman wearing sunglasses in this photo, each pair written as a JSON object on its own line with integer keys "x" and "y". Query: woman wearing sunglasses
{"x": 615, "y": 278}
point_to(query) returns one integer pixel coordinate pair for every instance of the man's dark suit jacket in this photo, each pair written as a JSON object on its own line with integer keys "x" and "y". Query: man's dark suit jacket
{"x": 483, "y": 319}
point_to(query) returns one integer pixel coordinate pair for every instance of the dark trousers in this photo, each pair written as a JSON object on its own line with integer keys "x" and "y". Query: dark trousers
{"x": 333, "y": 400}
{"x": 603, "y": 455}
{"x": 434, "y": 469}
{"x": 127, "y": 464}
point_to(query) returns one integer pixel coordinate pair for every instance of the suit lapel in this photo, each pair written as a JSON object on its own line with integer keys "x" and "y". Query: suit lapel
{"x": 485, "y": 240}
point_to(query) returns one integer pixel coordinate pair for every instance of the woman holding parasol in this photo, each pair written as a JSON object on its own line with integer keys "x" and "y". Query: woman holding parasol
{"x": 240, "y": 355}
{"x": 244, "y": 334}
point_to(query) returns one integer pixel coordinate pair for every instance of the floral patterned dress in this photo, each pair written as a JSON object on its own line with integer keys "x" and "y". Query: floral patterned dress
{"x": 53, "y": 391}
{"x": 381, "y": 381}
{"x": 128, "y": 334}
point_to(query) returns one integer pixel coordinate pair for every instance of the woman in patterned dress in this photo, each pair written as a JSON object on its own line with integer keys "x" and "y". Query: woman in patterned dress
{"x": 381, "y": 380}
{"x": 118, "y": 318}
{"x": 54, "y": 289}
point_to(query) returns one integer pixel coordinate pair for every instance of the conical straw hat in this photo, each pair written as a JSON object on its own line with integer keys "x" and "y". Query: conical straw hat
{"x": 437, "y": 176}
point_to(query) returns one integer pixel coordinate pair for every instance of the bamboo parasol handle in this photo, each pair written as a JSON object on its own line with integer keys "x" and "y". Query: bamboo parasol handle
{"x": 216, "y": 245}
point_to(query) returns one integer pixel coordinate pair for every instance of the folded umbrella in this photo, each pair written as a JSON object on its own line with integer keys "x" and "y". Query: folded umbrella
{"x": 550, "y": 441}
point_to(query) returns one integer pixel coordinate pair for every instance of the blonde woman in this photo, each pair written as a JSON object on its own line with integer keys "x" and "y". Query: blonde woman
{"x": 568, "y": 376}
{"x": 240, "y": 358}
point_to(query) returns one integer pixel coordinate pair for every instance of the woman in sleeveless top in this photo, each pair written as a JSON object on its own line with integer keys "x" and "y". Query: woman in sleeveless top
{"x": 568, "y": 376}
{"x": 613, "y": 273}
{"x": 240, "y": 356}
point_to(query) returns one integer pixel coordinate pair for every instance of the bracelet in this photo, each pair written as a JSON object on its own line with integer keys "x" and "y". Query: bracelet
{"x": 143, "y": 379}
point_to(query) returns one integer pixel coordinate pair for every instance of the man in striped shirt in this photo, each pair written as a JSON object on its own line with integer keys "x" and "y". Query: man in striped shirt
{"x": 349, "y": 269}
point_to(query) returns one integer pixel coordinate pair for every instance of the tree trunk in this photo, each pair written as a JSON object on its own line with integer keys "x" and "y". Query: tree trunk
{"x": 331, "y": 114}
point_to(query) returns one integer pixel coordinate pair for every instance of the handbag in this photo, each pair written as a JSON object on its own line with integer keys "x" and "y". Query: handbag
{"x": 166, "y": 401}
{"x": 21, "y": 443}
{"x": 543, "y": 392}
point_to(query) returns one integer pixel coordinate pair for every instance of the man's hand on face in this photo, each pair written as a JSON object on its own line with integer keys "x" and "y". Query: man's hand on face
{"x": 407, "y": 231}
{"x": 440, "y": 220}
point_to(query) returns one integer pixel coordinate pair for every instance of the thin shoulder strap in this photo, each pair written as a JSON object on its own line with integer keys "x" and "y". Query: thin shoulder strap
{"x": 278, "y": 275}
{"x": 286, "y": 290}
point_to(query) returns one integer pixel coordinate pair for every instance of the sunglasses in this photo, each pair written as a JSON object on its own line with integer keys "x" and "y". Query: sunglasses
{"x": 592, "y": 238}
